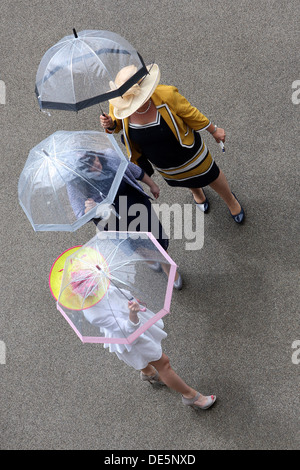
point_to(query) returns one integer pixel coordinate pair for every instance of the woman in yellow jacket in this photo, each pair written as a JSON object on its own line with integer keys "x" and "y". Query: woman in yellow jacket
{"x": 159, "y": 124}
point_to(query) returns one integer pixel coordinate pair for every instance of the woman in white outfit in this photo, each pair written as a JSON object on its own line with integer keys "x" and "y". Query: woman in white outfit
{"x": 118, "y": 317}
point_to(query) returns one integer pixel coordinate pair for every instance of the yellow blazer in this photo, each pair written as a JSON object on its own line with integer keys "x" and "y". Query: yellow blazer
{"x": 179, "y": 114}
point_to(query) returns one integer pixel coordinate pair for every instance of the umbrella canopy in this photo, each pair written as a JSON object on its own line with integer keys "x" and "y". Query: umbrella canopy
{"x": 94, "y": 284}
{"x": 63, "y": 172}
{"x": 75, "y": 73}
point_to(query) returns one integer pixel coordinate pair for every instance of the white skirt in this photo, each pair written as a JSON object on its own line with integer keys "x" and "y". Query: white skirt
{"x": 146, "y": 348}
{"x": 111, "y": 316}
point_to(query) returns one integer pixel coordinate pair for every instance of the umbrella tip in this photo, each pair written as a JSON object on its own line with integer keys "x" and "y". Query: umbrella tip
{"x": 74, "y": 32}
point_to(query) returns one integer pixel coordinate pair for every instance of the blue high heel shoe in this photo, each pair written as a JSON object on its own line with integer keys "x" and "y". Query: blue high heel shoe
{"x": 204, "y": 206}
{"x": 240, "y": 217}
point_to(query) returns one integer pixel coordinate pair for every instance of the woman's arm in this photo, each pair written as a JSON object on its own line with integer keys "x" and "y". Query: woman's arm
{"x": 77, "y": 200}
{"x": 185, "y": 110}
{"x": 89, "y": 204}
{"x": 194, "y": 118}
{"x": 134, "y": 308}
{"x": 140, "y": 175}
{"x": 217, "y": 132}
{"x": 109, "y": 123}
{"x": 154, "y": 188}
{"x": 107, "y": 316}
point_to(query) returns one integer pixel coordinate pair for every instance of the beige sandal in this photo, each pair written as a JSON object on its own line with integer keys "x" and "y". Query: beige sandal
{"x": 191, "y": 401}
{"x": 153, "y": 379}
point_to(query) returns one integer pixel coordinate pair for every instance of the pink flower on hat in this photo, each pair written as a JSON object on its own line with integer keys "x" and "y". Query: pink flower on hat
{"x": 84, "y": 282}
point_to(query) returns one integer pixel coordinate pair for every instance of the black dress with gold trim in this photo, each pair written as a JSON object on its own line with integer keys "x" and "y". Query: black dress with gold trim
{"x": 189, "y": 167}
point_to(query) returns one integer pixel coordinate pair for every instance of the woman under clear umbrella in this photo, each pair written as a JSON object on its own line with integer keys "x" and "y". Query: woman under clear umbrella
{"x": 114, "y": 313}
{"x": 99, "y": 165}
{"x": 160, "y": 125}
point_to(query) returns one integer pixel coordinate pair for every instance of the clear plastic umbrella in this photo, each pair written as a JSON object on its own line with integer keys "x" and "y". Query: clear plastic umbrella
{"x": 94, "y": 285}
{"x": 64, "y": 171}
{"x": 75, "y": 73}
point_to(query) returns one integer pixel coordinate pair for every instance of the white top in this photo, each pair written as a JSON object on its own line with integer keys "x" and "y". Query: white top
{"x": 111, "y": 315}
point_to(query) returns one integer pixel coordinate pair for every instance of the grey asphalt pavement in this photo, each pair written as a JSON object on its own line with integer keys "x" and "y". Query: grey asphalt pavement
{"x": 234, "y": 325}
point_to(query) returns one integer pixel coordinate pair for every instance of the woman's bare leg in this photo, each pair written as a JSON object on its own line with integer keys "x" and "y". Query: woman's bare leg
{"x": 221, "y": 186}
{"x": 171, "y": 379}
{"x": 198, "y": 195}
{"x": 166, "y": 270}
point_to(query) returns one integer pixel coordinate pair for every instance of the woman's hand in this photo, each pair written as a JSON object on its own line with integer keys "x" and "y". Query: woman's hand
{"x": 219, "y": 135}
{"x": 134, "y": 308}
{"x": 89, "y": 204}
{"x": 152, "y": 185}
{"x": 154, "y": 188}
{"x": 106, "y": 121}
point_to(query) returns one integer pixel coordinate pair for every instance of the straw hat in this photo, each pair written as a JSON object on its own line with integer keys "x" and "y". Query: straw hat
{"x": 138, "y": 94}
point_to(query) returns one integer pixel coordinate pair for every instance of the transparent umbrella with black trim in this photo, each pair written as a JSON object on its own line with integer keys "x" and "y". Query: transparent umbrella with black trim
{"x": 75, "y": 73}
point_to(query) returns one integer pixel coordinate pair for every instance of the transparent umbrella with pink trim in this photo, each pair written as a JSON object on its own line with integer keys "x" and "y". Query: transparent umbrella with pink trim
{"x": 96, "y": 284}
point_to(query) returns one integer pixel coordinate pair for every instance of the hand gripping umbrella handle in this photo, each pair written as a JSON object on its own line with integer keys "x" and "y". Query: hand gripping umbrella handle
{"x": 102, "y": 112}
{"x": 143, "y": 309}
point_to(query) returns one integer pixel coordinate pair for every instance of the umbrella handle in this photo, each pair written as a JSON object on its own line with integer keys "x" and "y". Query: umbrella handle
{"x": 143, "y": 309}
{"x": 102, "y": 112}
{"x": 143, "y": 304}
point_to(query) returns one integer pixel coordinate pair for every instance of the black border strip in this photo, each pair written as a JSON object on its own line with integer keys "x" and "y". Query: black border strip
{"x": 96, "y": 99}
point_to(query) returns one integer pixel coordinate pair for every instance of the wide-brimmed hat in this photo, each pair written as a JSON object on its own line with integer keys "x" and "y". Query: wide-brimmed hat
{"x": 83, "y": 286}
{"x": 138, "y": 94}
